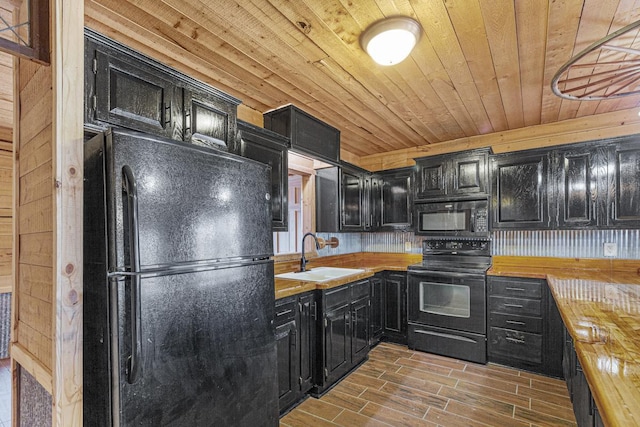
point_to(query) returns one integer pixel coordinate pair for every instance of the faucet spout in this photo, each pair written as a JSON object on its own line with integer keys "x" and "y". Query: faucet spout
{"x": 303, "y": 260}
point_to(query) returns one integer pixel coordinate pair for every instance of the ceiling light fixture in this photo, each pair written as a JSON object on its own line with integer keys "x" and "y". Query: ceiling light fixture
{"x": 390, "y": 41}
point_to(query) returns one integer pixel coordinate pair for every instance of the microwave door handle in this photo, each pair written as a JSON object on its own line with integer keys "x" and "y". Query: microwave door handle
{"x": 472, "y": 223}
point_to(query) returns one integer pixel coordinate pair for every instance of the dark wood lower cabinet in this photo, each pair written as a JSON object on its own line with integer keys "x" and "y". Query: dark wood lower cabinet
{"x": 295, "y": 326}
{"x": 343, "y": 332}
{"x": 395, "y": 307}
{"x": 584, "y": 407}
{"x": 377, "y": 309}
{"x": 524, "y": 325}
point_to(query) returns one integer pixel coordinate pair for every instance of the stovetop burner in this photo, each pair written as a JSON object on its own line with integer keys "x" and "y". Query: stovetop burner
{"x": 455, "y": 255}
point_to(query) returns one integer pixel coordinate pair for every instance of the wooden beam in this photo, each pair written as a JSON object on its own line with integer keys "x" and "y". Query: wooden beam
{"x": 68, "y": 159}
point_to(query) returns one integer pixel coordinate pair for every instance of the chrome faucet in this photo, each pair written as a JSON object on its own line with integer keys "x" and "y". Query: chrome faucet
{"x": 303, "y": 260}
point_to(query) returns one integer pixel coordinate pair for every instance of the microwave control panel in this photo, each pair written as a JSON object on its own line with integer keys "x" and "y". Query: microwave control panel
{"x": 481, "y": 221}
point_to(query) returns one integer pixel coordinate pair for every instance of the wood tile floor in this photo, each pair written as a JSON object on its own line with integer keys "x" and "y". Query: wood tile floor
{"x": 401, "y": 387}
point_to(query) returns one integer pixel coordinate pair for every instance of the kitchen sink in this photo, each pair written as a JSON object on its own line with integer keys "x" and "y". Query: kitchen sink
{"x": 320, "y": 274}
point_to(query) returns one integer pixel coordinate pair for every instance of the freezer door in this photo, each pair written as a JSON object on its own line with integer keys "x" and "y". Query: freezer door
{"x": 208, "y": 353}
{"x": 193, "y": 204}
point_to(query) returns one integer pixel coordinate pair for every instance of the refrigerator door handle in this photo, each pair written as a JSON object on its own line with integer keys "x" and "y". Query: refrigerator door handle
{"x": 129, "y": 186}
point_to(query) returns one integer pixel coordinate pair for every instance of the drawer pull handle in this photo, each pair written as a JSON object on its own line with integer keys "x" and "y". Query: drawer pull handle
{"x": 515, "y": 322}
{"x": 514, "y": 289}
{"x": 513, "y": 305}
{"x": 515, "y": 340}
{"x": 284, "y": 312}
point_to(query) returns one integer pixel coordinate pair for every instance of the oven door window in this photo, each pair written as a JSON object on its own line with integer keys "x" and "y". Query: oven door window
{"x": 445, "y": 299}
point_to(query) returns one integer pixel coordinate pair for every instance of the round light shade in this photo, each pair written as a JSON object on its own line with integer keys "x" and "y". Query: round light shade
{"x": 391, "y": 40}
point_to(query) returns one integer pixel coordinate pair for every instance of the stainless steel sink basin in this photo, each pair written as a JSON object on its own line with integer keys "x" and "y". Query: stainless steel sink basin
{"x": 320, "y": 274}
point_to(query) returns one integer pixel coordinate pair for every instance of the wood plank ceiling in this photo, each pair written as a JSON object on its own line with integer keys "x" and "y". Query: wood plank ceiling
{"x": 481, "y": 66}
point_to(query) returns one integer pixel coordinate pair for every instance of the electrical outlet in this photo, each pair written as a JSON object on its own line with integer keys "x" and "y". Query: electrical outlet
{"x": 610, "y": 250}
{"x": 407, "y": 246}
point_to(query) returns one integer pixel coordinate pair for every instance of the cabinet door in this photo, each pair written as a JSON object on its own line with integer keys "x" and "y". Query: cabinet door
{"x": 375, "y": 201}
{"x": 269, "y": 148}
{"x": 351, "y": 195}
{"x": 519, "y": 191}
{"x": 337, "y": 340}
{"x": 306, "y": 327}
{"x": 395, "y": 308}
{"x": 469, "y": 174}
{"x": 131, "y": 94}
{"x": 359, "y": 329}
{"x": 377, "y": 309}
{"x": 208, "y": 115}
{"x": 577, "y": 188}
{"x": 396, "y": 201}
{"x": 328, "y": 200}
{"x": 287, "y": 363}
{"x": 431, "y": 178}
{"x": 624, "y": 198}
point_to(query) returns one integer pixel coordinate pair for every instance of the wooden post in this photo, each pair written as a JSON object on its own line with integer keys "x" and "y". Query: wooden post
{"x": 68, "y": 71}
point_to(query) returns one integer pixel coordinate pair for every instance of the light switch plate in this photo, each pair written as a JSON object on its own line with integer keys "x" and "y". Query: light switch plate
{"x": 407, "y": 246}
{"x": 610, "y": 250}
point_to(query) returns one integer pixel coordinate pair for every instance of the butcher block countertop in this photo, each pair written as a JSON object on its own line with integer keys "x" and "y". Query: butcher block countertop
{"x": 599, "y": 301}
{"x": 371, "y": 262}
{"x": 604, "y": 321}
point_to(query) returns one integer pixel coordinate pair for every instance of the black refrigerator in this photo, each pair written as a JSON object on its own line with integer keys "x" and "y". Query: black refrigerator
{"x": 178, "y": 286}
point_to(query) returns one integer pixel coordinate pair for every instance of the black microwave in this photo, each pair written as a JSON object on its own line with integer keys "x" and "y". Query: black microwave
{"x": 467, "y": 218}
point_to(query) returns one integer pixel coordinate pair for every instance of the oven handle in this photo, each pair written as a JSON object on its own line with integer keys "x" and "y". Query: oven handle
{"x": 440, "y": 334}
{"x": 444, "y": 274}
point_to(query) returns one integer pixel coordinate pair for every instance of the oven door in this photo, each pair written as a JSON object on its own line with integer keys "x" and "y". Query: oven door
{"x": 450, "y": 300}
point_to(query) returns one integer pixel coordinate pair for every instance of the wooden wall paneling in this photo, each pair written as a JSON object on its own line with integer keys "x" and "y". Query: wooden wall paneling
{"x": 531, "y": 23}
{"x": 580, "y": 129}
{"x": 68, "y": 160}
{"x": 250, "y": 115}
{"x": 466, "y": 18}
{"x": 37, "y": 183}
{"x": 33, "y": 84}
{"x": 564, "y": 17}
{"x": 441, "y": 33}
{"x": 500, "y": 25}
{"x": 592, "y": 11}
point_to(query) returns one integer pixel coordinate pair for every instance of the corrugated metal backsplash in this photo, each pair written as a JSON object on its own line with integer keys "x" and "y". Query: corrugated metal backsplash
{"x": 567, "y": 243}
{"x": 545, "y": 243}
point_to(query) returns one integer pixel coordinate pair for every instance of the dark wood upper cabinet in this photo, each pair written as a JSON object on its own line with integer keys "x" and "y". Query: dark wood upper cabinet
{"x": 340, "y": 199}
{"x": 309, "y": 135}
{"x": 127, "y": 89}
{"x": 519, "y": 190}
{"x": 129, "y": 94}
{"x": 395, "y": 199}
{"x": 452, "y": 176}
{"x": 351, "y": 200}
{"x": 431, "y": 177}
{"x": 623, "y": 201}
{"x": 576, "y": 173}
{"x": 270, "y": 148}
{"x": 209, "y": 115}
{"x": 469, "y": 174}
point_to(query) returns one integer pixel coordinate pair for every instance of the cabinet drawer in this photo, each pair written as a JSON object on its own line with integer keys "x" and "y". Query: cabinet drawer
{"x": 359, "y": 289}
{"x": 518, "y": 306}
{"x": 519, "y": 323}
{"x": 336, "y": 297}
{"x": 285, "y": 310}
{"x": 511, "y": 344}
{"x": 515, "y": 287}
